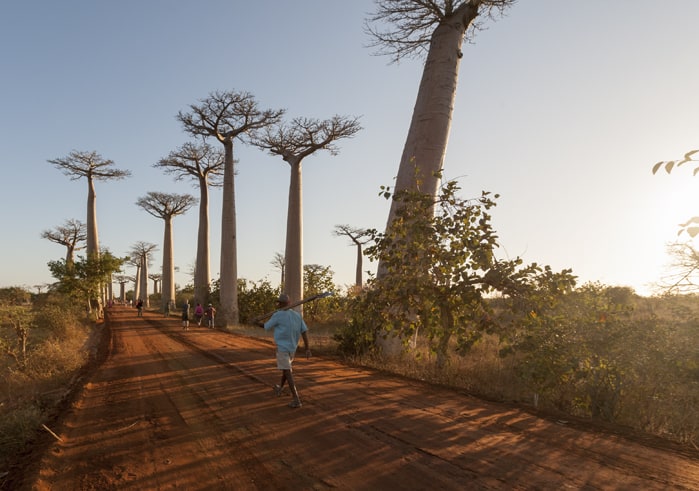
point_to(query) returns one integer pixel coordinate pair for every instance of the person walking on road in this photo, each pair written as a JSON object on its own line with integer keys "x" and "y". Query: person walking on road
{"x": 185, "y": 315}
{"x": 288, "y": 326}
{"x": 210, "y": 315}
{"x": 198, "y": 313}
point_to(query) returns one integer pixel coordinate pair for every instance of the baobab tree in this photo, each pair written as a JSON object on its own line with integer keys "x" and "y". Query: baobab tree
{"x": 359, "y": 237}
{"x": 436, "y": 29}
{"x": 70, "y": 235}
{"x": 141, "y": 252}
{"x": 92, "y": 167}
{"x": 122, "y": 280}
{"x": 204, "y": 164}
{"x": 167, "y": 206}
{"x": 135, "y": 261}
{"x": 294, "y": 142}
{"x": 156, "y": 278}
{"x": 280, "y": 263}
{"x": 227, "y": 116}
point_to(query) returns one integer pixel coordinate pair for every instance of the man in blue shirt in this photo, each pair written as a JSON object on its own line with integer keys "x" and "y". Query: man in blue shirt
{"x": 288, "y": 327}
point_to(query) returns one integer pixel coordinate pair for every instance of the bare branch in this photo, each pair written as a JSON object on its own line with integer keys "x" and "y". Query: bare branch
{"x": 164, "y": 205}
{"x": 412, "y": 22}
{"x": 304, "y": 136}
{"x": 358, "y": 236}
{"x": 70, "y": 234}
{"x": 201, "y": 161}
{"x": 684, "y": 275}
{"x": 88, "y": 164}
{"x": 140, "y": 250}
{"x": 225, "y": 115}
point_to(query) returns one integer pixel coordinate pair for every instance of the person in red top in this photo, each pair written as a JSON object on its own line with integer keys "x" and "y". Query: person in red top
{"x": 210, "y": 315}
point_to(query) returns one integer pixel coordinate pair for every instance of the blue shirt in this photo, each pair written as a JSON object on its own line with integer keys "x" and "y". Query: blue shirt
{"x": 288, "y": 326}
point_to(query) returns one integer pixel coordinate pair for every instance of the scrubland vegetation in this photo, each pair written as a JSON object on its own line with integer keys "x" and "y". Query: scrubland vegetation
{"x": 44, "y": 343}
{"x": 607, "y": 354}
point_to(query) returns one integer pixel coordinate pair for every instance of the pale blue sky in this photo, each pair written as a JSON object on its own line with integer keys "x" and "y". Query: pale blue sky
{"x": 562, "y": 108}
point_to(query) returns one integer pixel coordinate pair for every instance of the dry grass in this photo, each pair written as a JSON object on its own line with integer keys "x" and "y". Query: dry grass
{"x": 30, "y": 391}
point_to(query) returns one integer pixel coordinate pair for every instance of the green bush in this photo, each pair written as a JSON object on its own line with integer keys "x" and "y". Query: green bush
{"x": 255, "y": 299}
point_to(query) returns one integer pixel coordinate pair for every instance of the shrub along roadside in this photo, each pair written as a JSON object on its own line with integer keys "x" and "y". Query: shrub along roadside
{"x": 601, "y": 353}
{"x": 38, "y": 361}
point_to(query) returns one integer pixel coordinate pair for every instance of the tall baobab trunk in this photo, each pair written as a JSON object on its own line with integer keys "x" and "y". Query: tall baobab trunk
{"x": 426, "y": 142}
{"x": 229, "y": 250}
{"x": 168, "y": 280}
{"x": 93, "y": 246}
{"x": 202, "y": 273}
{"x": 358, "y": 271}
{"x": 144, "y": 281}
{"x": 70, "y": 257}
{"x": 293, "y": 281}
{"x": 137, "y": 284}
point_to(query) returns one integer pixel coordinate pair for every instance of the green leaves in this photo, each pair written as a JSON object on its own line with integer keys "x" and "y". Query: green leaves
{"x": 441, "y": 271}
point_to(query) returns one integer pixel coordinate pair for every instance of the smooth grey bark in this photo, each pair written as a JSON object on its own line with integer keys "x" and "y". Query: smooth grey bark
{"x": 93, "y": 245}
{"x": 426, "y": 142}
{"x": 202, "y": 271}
{"x": 137, "y": 282}
{"x": 293, "y": 282}
{"x": 229, "y": 243}
{"x": 143, "y": 287}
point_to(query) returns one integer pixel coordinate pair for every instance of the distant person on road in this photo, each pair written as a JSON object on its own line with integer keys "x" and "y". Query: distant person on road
{"x": 139, "y": 307}
{"x": 185, "y": 315}
{"x": 210, "y": 315}
{"x": 288, "y": 327}
{"x": 198, "y": 313}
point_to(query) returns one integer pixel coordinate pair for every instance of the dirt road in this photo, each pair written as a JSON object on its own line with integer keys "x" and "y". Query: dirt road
{"x": 195, "y": 410}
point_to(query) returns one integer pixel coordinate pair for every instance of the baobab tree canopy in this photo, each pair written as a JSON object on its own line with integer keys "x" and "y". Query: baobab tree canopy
{"x": 70, "y": 235}
{"x": 303, "y": 136}
{"x": 194, "y": 160}
{"x": 166, "y": 205}
{"x": 88, "y": 164}
{"x": 225, "y": 114}
{"x": 414, "y": 22}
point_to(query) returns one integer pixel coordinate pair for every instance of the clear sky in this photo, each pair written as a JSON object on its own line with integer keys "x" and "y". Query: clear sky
{"x": 562, "y": 108}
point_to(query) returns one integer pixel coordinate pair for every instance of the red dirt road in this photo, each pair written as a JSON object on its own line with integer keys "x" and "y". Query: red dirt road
{"x": 195, "y": 410}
